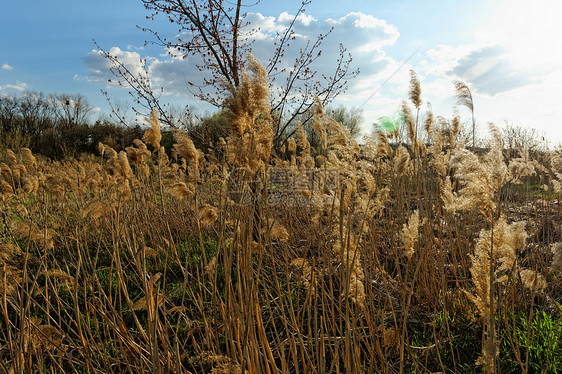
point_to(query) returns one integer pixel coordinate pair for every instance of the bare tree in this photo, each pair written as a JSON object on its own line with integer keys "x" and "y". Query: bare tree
{"x": 208, "y": 29}
{"x": 9, "y": 107}
{"x": 36, "y": 113}
{"x": 70, "y": 110}
{"x": 516, "y": 138}
{"x": 212, "y": 31}
{"x": 29, "y": 114}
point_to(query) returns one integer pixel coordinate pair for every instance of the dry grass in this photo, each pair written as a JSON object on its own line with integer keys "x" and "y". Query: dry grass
{"x": 383, "y": 257}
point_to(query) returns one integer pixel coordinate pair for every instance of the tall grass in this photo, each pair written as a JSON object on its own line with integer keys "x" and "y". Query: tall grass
{"x": 416, "y": 256}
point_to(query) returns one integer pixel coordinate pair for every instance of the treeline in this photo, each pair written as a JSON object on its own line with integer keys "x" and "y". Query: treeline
{"x": 58, "y": 125}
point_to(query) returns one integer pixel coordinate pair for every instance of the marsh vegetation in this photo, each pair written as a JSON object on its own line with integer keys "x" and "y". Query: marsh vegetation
{"x": 401, "y": 254}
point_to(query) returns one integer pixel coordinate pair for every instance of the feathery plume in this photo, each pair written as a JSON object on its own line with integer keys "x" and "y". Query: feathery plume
{"x": 415, "y": 90}
{"x": 455, "y": 129}
{"x": 248, "y": 112}
{"x": 302, "y": 140}
{"x": 532, "y": 280}
{"x": 382, "y": 148}
{"x": 291, "y": 145}
{"x": 153, "y": 135}
{"x": 9, "y": 250}
{"x": 428, "y": 124}
{"x": 66, "y": 279}
{"x": 317, "y": 117}
{"x": 401, "y": 161}
{"x": 410, "y": 233}
{"x": 410, "y": 123}
{"x": 12, "y": 159}
{"x": 5, "y": 170}
{"x": 28, "y": 158}
{"x": 141, "y": 147}
{"x": 250, "y": 99}
{"x": 279, "y": 232}
{"x": 122, "y": 167}
{"x": 179, "y": 190}
{"x": 106, "y": 150}
{"x": 477, "y": 186}
{"x": 208, "y": 214}
{"x": 101, "y": 148}
{"x": 137, "y": 155}
{"x": 98, "y": 208}
{"x": 390, "y": 337}
{"x": 5, "y": 187}
{"x": 464, "y": 97}
{"x": 163, "y": 157}
{"x": 556, "y": 186}
{"x": 518, "y": 169}
{"x": 10, "y": 279}
{"x": 31, "y": 232}
{"x": 507, "y": 238}
{"x": 338, "y": 134}
{"x": 22, "y": 210}
{"x": 30, "y": 184}
{"x": 39, "y": 337}
{"x": 185, "y": 148}
{"x": 494, "y": 159}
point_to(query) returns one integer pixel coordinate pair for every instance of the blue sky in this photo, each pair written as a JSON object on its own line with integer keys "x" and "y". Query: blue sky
{"x": 507, "y": 51}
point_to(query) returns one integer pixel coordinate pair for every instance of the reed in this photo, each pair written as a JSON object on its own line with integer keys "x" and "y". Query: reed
{"x": 386, "y": 257}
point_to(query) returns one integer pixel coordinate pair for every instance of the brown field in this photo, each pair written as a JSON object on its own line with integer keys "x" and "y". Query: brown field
{"x": 405, "y": 254}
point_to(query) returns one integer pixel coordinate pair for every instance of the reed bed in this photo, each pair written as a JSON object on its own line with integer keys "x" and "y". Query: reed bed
{"x": 403, "y": 254}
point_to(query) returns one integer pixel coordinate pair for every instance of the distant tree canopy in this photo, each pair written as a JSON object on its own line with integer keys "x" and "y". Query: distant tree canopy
{"x": 209, "y": 131}
{"x": 61, "y": 125}
{"x": 57, "y": 125}
{"x": 350, "y": 118}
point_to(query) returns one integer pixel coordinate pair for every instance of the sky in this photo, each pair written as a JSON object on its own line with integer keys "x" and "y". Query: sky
{"x": 507, "y": 52}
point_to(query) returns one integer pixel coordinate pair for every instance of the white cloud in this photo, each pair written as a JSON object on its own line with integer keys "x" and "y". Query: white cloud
{"x": 175, "y": 74}
{"x": 100, "y": 66}
{"x": 7, "y": 67}
{"x": 304, "y": 20}
{"x": 512, "y": 66}
{"x": 490, "y": 71}
{"x": 19, "y": 86}
{"x": 444, "y": 58}
{"x": 364, "y": 33}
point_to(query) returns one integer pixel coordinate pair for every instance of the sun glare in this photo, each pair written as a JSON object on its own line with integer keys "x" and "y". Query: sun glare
{"x": 529, "y": 30}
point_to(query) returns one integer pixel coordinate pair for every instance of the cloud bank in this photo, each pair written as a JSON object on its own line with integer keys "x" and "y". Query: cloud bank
{"x": 500, "y": 74}
{"x": 19, "y": 86}
{"x": 363, "y": 35}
